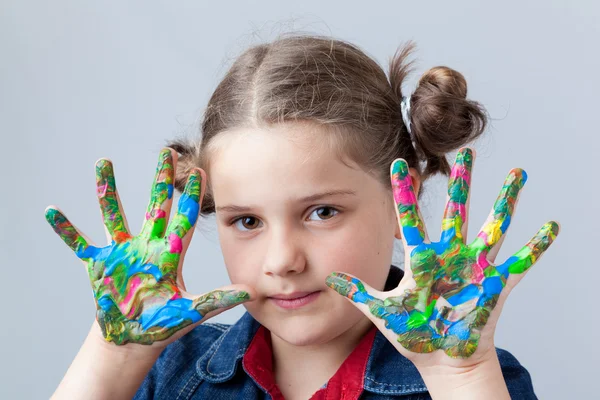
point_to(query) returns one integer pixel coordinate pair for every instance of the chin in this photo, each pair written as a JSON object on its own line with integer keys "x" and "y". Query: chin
{"x": 305, "y": 330}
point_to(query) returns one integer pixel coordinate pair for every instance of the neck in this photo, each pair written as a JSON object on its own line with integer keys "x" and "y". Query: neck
{"x": 302, "y": 370}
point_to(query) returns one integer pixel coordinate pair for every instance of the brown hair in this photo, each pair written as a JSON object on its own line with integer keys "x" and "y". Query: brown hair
{"x": 336, "y": 85}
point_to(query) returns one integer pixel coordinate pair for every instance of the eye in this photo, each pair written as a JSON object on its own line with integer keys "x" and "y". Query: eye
{"x": 325, "y": 213}
{"x": 246, "y": 223}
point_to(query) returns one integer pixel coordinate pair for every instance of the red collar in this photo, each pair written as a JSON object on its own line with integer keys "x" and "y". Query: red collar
{"x": 347, "y": 383}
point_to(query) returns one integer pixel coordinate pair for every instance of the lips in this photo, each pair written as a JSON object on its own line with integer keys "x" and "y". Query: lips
{"x": 294, "y": 300}
{"x": 291, "y": 296}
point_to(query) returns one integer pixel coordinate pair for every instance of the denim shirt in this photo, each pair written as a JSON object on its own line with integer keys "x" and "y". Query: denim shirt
{"x": 206, "y": 363}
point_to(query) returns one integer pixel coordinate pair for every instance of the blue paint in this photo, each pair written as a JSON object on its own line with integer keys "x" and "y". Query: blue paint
{"x": 492, "y": 286}
{"x": 396, "y": 322}
{"x": 460, "y": 329}
{"x": 116, "y": 256}
{"x": 505, "y": 223}
{"x": 170, "y": 315}
{"x": 147, "y": 268}
{"x": 188, "y": 207}
{"x": 106, "y": 303}
{"x": 448, "y": 235}
{"x": 362, "y": 297}
{"x": 439, "y": 247}
{"x": 84, "y": 252}
{"x": 170, "y": 190}
{"x": 503, "y": 268}
{"x": 412, "y": 235}
{"x": 467, "y": 293}
{"x": 435, "y": 314}
{"x": 435, "y": 335}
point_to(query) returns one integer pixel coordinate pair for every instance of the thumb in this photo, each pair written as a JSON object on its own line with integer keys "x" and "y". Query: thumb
{"x": 215, "y": 302}
{"x": 352, "y": 288}
{"x": 383, "y": 313}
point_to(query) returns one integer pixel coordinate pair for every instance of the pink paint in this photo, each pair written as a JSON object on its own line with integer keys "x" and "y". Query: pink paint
{"x": 461, "y": 172}
{"x": 483, "y": 236}
{"x": 478, "y": 268}
{"x": 456, "y": 209}
{"x": 102, "y": 189}
{"x": 134, "y": 283}
{"x": 158, "y": 213}
{"x": 403, "y": 193}
{"x": 176, "y": 246}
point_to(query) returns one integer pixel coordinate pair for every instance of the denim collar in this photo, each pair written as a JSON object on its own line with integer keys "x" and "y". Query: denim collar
{"x": 388, "y": 372}
{"x": 220, "y": 362}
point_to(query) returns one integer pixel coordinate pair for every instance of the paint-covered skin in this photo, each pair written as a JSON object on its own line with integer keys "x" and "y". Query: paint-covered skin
{"x": 455, "y": 285}
{"x": 135, "y": 278}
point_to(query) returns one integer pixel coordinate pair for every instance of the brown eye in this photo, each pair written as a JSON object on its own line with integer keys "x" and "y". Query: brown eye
{"x": 325, "y": 213}
{"x": 247, "y": 223}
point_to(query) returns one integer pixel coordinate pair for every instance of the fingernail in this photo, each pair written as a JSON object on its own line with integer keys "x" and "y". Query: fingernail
{"x": 465, "y": 155}
{"x": 343, "y": 284}
{"x": 401, "y": 168}
{"x": 193, "y": 186}
{"x": 554, "y": 228}
{"x": 518, "y": 176}
{"x": 238, "y": 296}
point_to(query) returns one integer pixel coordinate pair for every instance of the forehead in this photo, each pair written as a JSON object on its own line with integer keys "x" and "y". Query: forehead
{"x": 285, "y": 160}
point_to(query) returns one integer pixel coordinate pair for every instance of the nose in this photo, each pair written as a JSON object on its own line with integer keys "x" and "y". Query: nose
{"x": 284, "y": 254}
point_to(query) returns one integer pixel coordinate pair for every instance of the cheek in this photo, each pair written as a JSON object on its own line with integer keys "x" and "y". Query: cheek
{"x": 241, "y": 259}
{"x": 363, "y": 249}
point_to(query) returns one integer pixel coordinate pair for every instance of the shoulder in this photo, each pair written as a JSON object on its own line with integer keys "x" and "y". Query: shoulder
{"x": 516, "y": 376}
{"x": 382, "y": 375}
{"x": 176, "y": 365}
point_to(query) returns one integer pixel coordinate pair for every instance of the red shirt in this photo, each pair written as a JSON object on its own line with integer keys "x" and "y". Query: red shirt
{"x": 346, "y": 384}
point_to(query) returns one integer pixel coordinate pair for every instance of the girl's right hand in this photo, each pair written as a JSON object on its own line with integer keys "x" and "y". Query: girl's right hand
{"x": 137, "y": 282}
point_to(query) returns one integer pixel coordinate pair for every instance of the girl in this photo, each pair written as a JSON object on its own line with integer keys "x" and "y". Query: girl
{"x": 312, "y": 160}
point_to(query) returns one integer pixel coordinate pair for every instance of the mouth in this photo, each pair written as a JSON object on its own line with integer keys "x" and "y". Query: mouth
{"x": 294, "y": 300}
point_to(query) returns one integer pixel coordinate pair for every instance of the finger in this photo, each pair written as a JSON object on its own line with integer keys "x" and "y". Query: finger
{"x": 388, "y": 313}
{"x": 159, "y": 207}
{"x": 529, "y": 254}
{"x": 220, "y": 300}
{"x": 500, "y": 217}
{"x": 179, "y": 232}
{"x": 407, "y": 209}
{"x": 454, "y": 223}
{"x": 69, "y": 234}
{"x": 354, "y": 289}
{"x": 109, "y": 202}
{"x": 493, "y": 252}
{"x": 179, "y": 312}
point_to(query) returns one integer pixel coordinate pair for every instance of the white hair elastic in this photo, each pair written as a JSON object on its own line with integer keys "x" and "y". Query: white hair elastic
{"x": 405, "y": 108}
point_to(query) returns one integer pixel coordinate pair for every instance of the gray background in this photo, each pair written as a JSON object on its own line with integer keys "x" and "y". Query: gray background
{"x": 84, "y": 80}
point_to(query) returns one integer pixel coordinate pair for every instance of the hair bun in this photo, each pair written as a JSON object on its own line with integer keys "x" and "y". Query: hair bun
{"x": 442, "y": 119}
{"x": 446, "y": 80}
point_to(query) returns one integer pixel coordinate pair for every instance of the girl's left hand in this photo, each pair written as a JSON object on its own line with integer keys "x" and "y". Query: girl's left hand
{"x": 452, "y": 294}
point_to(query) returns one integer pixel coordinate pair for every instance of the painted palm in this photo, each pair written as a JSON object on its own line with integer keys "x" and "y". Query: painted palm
{"x": 136, "y": 279}
{"x": 455, "y": 285}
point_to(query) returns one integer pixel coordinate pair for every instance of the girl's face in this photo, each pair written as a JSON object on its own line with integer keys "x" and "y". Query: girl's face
{"x": 289, "y": 212}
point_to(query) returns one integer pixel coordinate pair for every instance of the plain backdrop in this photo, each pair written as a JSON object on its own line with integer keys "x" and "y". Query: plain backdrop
{"x": 84, "y": 80}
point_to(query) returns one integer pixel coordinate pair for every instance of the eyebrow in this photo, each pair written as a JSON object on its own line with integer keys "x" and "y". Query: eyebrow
{"x": 312, "y": 197}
